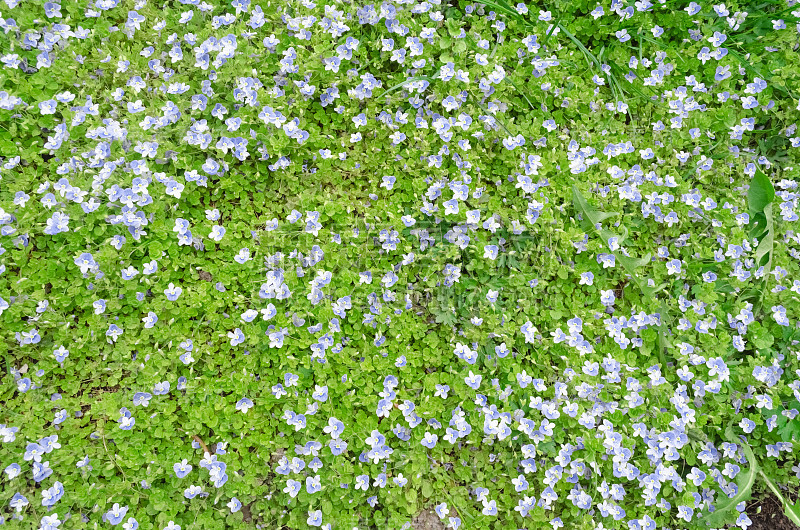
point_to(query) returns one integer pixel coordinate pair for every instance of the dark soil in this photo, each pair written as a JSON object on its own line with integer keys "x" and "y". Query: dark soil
{"x": 770, "y": 516}
{"x": 428, "y": 520}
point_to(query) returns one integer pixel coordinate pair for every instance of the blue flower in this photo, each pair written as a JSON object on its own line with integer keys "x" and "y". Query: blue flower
{"x": 114, "y": 332}
{"x": 320, "y": 393}
{"x": 99, "y": 306}
{"x": 24, "y": 384}
{"x": 314, "y": 518}
{"x": 172, "y": 292}
{"x": 34, "y": 452}
{"x": 429, "y": 440}
{"x": 83, "y": 462}
{"x": 473, "y": 381}
{"x": 217, "y": 233}
{"x": 28, "y": 337}
{"x": 290, "y": 379}
{"x": 150, "y": 320}
{"x": 60, "y": 354}
{"x": 218, "y": 475}
{"x": 182, "y": 468}
{"x": 85, "y": 262}
{"x": 235, "y": 505}
{"x": 126, "y": 421}
{"x": 41, "y": 471}
{"x": 244, "y": 404}
{"x": 48, "y": 522}
{"x": 335, "y": 428}
{"x": 237, "y": 337}
{"x": 293, "y": 487}
{"x": 142, "y": 399}
{"x": 192, "y": 491}
{"x": 313, "y": 484}
{"x": 19, "y": 501}
{"x": 388, "y": 181}
{"x": 441, "y": 391}
{"x": 48, "y": 106}
{"x": 13, "y": 471}
{"x": 115, "y": 515}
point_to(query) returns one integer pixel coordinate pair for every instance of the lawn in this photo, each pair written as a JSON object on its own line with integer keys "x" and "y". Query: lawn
{"x": 418, "y": 264}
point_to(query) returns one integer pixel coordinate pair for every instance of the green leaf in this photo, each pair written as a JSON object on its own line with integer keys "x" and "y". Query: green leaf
{"x": 766, "y": 243}
{"x": 744, "y": 481}
{"x": 411, "y": 496}
{"x": 503, "y": 7}
{"x": 427, "y": 490}
{"x": 446, "y": 317}
{"x": 586, "y": 210}
{"x": 792, "y": 511}
{"x": 631, "y": 264}
{"x": 760, "y": 198}
{"x": 398, "y": 86}
{"x": 760, "y": 194}
{"x": 789, "y": 429}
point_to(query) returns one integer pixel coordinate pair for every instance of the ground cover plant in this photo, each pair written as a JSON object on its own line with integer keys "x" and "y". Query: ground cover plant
{"x": 298, "y": 264}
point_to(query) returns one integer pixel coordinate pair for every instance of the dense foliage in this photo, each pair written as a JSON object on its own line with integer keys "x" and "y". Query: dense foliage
{"x": 298, "y": 264}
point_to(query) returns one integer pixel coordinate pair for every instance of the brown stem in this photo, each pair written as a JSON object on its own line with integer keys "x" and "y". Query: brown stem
{"x": 202, "y": 444}
{"x": 198, "y": 440}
